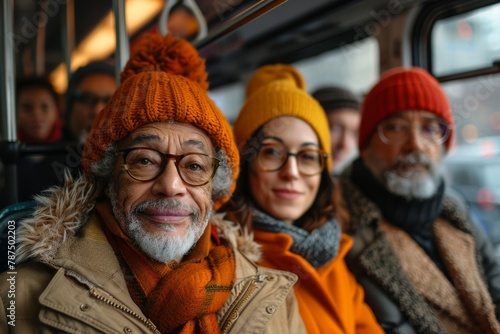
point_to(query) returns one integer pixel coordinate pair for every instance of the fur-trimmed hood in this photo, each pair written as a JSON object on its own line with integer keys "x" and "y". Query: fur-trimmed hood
{"x": 61, "y": 212}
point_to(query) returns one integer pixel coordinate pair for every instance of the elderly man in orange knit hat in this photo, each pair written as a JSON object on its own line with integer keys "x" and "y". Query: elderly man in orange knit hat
{"x": 133, "y": 246}
{"x": 424, "y": 265}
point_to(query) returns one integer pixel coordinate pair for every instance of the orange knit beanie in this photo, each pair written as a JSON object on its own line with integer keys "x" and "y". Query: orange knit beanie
{"x": 275, "y": 91}
{"x": 164, "y": 80}
{"x": 402, "y": 89}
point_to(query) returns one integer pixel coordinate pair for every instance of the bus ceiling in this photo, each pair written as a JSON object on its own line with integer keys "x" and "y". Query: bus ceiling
{"x": 53, "y": 37}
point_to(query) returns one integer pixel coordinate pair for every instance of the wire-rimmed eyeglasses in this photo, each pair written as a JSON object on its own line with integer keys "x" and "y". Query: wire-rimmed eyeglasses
{"x": 272, "y": 157}
{"x": 146, "y": 164}
{"x": 396, "y": 130}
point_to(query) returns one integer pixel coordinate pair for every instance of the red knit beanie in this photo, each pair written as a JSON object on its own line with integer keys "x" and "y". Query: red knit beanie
{"x": 164, "y": 80}
{"x": 400, "y": 90}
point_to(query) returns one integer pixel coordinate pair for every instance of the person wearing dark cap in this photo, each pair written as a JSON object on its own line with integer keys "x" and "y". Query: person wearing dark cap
{"x": 134, "y": 244}
{"x": 90, "y": 87}
{"x": 342, "y": 110}
{"x": 425, "y": 266}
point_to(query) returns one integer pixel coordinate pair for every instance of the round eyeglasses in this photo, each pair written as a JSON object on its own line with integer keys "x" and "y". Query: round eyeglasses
{"x": 396, "y": 131}
{"x": 145, "y": 164}
{"x": 272, "y": 157}
{"x": 90, "y": 99}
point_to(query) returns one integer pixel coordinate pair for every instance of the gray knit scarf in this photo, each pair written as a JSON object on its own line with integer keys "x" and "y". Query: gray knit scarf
{"x": 318, "y": 247}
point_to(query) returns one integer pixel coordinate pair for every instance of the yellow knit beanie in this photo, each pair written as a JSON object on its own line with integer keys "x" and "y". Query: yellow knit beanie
{"x": 164, "y": 80}
{"x": 275, "y": 91}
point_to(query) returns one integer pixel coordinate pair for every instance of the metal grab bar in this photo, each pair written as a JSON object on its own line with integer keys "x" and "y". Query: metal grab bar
{"x": 8, "y": 124}
{"x": 122, "y": 42}
{"x": 7, "y": 81}
{"x": 249, "y": 14}
{"x": 191, "y": 4}
{"x": 48, "y": 149}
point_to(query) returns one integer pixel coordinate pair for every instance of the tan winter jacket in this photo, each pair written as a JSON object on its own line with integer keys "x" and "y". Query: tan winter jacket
{"x": 72, "y": 281}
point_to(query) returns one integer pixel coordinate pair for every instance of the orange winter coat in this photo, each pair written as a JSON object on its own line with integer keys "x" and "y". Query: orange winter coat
{"x": 330, "y": 299}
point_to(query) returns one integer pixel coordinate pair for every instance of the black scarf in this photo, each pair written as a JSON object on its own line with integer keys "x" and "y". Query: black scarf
{"x": 318, "y": 247}
{"x": 415, "y": 216}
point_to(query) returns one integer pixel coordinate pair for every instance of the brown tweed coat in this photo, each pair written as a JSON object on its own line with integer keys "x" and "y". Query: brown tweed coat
{"x": 387, "y": 259}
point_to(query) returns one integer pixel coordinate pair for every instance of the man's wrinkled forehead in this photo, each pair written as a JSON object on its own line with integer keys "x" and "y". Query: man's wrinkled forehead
{"x": 161, "y": 133}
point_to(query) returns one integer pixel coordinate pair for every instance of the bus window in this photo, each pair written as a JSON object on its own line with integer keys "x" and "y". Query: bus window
{"x": 229, "y": 98}
{"x": 356, "y": 71}
{"x": 466, "y": 42}
{"x": 475, "y": 104}
{"x": 464, "y": 49}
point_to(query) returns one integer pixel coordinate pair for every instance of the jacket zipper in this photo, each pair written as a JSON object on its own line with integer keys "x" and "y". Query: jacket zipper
{"x": 94, "y": 292}
{"x": 233, "y": 314}
{"x": 125, "y": 309}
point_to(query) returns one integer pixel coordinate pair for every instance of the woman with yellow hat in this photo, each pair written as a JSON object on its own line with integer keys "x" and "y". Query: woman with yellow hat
{"x": 285, "y": 196}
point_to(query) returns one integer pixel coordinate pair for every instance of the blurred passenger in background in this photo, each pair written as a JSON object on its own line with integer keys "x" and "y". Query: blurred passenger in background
{"x": 425, "y": 266}
{"x": 285, "y": 195}
{"x": 38, "y": 122}
{"x": 342, "y": 110}
{"x": 90, "y": 87}
{"x": 37, "y": 109}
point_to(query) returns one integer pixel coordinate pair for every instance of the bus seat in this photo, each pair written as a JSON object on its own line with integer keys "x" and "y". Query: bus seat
{"x": 14, "y": 212}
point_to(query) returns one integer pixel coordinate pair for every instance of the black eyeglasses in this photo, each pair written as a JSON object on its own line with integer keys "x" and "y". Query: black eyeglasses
{"x": 272, "y": 157}
{"x": 90, "y": 98}
{"x": 145, "y": 164}
{"x": 396, "y": 131}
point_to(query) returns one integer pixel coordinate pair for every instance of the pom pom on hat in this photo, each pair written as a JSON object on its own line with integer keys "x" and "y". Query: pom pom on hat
{"x": 164, "y": 80}
{"x": 275, "y": 91}
{"x": 167, "y": 54}
{"x": 278, "y": 73}
{"x": 399, "y": 90}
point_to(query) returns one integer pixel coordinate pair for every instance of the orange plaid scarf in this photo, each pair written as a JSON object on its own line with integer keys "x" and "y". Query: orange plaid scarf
{"x": 177, "y": 297}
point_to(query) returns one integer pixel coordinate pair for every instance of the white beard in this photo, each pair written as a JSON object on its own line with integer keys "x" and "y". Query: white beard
{"x": 162, "y": 248}
{"x": 413, "y": 184}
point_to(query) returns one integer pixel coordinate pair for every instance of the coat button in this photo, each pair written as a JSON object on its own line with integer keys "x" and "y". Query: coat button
{"x": 270, "y": 309}
{"x": 84, "y": 307}
{"x": 127, "y": 330}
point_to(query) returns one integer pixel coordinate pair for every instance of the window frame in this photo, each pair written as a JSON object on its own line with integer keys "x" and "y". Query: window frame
{"x": 421, "y": 50}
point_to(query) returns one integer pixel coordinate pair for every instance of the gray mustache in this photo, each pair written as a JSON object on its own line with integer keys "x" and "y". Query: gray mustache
{"x": 166, "y": 204}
